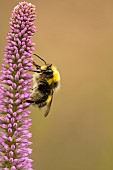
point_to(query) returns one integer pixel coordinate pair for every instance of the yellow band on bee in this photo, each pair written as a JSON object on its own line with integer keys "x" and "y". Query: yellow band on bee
{"x": 56, "y": 76}
{"x": 48, "y": 99}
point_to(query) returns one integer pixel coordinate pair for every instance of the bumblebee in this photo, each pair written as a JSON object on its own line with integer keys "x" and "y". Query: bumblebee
{"x": 45, "y": 81}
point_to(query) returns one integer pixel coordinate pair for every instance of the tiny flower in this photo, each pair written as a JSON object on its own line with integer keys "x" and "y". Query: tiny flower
{"x": 14, "y": 89}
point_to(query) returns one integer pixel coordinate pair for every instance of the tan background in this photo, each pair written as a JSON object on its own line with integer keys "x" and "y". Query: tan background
{"x": 76, "y": 36}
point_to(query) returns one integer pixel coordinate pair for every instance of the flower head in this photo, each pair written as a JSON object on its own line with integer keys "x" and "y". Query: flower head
{"x": 14, "y": 90}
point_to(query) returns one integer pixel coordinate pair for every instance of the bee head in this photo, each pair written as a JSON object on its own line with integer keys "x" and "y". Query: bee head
{"x": 45, "y": 69}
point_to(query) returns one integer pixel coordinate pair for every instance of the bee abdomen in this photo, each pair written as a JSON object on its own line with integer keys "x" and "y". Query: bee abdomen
{"x": 42, "y": 101}
{"x": 44, "y": 87}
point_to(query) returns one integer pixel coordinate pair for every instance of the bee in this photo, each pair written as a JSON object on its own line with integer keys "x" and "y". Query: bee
{"x": 45, "y": 81}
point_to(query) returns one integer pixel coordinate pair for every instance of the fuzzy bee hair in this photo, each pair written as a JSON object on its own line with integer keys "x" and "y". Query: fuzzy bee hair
{"x": 45, "y": 81}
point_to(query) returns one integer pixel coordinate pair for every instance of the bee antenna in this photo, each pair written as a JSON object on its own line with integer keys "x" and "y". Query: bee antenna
{"x": 41, "y": 59}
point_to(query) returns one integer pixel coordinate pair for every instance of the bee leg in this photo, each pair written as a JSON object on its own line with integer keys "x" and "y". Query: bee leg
{"x": 29, "y": 101}
{"x": 40, "y": 103}
{"x": 36, "y": 65}
{"x": 37, "y": 71}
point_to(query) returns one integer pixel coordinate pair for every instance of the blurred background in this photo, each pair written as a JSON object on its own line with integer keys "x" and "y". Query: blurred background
{"x": 77, "y": 37}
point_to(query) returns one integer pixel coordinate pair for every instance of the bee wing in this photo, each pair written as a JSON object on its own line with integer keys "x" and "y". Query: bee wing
{"x": 48, "y": 106}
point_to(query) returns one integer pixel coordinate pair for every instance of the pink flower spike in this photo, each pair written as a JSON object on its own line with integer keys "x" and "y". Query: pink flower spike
{"x": 15, "y": 88}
